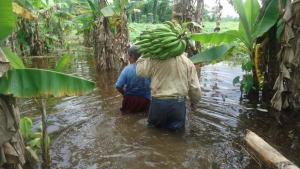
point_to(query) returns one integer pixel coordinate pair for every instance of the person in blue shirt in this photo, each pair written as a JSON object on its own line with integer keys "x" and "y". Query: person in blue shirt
{"x": 136, "y": 90}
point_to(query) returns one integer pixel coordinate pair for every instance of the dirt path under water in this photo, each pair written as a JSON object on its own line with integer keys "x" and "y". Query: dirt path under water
{"x": 92, "y": 134}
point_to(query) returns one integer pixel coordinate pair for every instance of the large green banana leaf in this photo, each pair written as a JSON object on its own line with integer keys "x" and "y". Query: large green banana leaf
{"x": 26, "y": 83}
{"x": 7, "y": 18}
{"x": 250, "y": 26}
{"x": 212, "y": 54}
{"x": 216, "y": 38}
{"x": 269, "y": 18}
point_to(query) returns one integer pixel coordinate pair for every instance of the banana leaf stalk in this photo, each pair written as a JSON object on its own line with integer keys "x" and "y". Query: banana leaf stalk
{"x": 45, "y": 143}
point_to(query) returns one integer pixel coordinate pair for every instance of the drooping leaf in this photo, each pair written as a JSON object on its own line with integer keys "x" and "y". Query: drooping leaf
{"x": 14, "y": 61}
{"x": 214, "y": 53}
{"x": 26, "y": 83}
{"x": 22, "y": 12}
{"x": 216, "y": 38}
{"x": 269, "y": 18}
{"x": 62, "y": 63}
{"x": 107, "y": 11}
{"x": 7, "y": 18}
{"x": 26, "y": 127}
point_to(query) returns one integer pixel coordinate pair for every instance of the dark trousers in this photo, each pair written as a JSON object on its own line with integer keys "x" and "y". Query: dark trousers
{"x": 134, "y": 104}
{"x": 167, "y": 113}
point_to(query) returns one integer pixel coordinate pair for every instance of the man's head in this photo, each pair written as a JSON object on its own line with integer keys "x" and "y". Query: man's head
{"x": 134, "y": 54}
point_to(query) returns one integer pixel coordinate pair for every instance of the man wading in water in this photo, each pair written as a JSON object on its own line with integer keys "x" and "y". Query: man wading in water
{"x": 172, "y": 80}
{"x": 136, "y": 90}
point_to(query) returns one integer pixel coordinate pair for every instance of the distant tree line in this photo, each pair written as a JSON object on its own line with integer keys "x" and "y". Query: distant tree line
{"x": 152, "y": 11}
{"x": 157, "y": 11}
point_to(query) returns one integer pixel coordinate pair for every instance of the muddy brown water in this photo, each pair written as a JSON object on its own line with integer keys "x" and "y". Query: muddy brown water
{"x": 90, "y": 133}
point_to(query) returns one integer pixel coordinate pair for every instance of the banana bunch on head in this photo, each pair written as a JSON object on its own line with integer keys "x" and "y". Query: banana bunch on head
{"x": 164, "y": 42}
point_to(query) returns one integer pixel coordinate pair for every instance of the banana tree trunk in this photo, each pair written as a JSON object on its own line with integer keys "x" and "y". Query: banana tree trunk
{"x": 45, "y": 143}
{"x": 253, "y": 94}
{"x": 12, "y": 148}
{"x": 182, "y": 10}
{"x": 218, "y": 16}
{"x": 104, "y": 43}
{"x": 187, "y": 11}
{"x": 270, "y": 48}
{"x": 121, "y": 41}
{"x": 287, "y": 85}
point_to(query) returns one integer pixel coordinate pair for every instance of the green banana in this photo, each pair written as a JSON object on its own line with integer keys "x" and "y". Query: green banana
{"x": 146, "y": 45}
{"x": 157, "y": 51}
{"x": 153, "y": 47}
{"x": 163, "y": 42}
{"x": 172, "y": 26}
{"x": 168, "y": 40}
{"x": 164, "y": 34}
{"x": 143, "y": 50}
{"x": 169, "y": 23}
{"x": 164, "y": 29}
{"x": 145, "y": 36}
{"x": 164, "y": 55}
{"x": 143, "y": 41}
{"x": 176, "y": 42}
{"x": 148, "y": 54}
{"x": 178, "y": 50}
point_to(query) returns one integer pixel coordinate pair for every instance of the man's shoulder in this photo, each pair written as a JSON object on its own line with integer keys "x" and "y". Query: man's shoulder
{"x": 129, "y": 67}
{"x": 186, "y": 60}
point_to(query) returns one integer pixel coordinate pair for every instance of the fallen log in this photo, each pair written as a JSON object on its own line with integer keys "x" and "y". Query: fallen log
{"x": 266, "y": 153}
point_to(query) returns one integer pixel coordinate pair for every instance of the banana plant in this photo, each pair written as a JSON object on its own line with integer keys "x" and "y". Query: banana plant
{"x": 35, "y": 83}
{"x": 32, "y": 139}
{"x": 44, "y": 21}
{"x": 253, "y": 23}
{"x": 90, "y": 10}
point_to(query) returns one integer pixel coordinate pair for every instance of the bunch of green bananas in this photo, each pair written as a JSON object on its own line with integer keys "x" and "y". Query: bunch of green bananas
{"x": 164, "y": 42}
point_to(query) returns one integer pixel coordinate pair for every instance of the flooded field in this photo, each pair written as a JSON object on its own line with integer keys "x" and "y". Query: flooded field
{"x": 90, "y": 133}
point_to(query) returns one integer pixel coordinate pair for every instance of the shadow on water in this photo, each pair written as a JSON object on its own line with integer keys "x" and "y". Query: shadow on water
{"x": 91, "y": 133}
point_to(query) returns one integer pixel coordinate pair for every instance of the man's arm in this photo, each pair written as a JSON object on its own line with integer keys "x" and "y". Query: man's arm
{"x": 143, "y": 67}
{"x": 194, "y": 87}
{"x": 122, "y": 80}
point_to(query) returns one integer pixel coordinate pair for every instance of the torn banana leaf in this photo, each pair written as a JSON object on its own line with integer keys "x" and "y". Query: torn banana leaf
{"x": 26, "y": 83}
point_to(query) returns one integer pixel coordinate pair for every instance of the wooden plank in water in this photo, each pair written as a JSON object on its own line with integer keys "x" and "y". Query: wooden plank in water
{"x": 266, "y": 153}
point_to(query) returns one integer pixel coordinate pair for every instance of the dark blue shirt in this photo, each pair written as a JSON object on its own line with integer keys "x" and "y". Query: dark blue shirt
{"x": 133, "y": 85}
